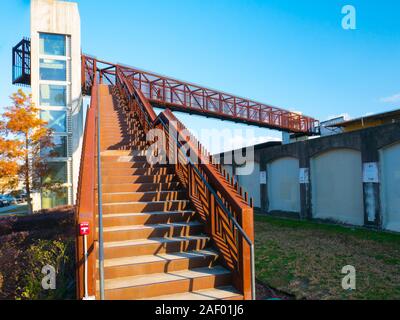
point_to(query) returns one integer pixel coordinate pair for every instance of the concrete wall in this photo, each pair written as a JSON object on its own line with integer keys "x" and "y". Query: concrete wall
{"x": 251, "y": 182}
{"x": 390, "y": 191}
{"x": 336, "y": 187}
{"x": 248, "y": 177}
{"x": 337, "y": 190}
{"x": 283, "y": 185}
{"x": 59, "y": 17}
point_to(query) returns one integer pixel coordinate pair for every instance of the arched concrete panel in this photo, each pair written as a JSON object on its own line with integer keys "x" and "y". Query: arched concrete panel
{"x": 337, "y": 187}
{"x": 390, "y": 188}
{"x": 283, "y": 185}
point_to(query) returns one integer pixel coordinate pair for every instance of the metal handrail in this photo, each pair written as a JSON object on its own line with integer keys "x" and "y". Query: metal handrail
{"x": 100, "y": 201}
{"x": 224, "y": 208}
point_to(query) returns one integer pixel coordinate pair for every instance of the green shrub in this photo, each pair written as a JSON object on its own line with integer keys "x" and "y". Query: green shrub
{"x": 57, "y": 253}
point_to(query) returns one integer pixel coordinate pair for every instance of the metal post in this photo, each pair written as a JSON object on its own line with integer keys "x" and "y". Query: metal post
{"x": 100, "y": 200}
{"x": 86, "y": 266}
{"x": 253, "y": 273}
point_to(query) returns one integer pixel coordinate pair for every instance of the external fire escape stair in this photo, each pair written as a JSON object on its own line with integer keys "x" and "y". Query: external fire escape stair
{"x": 155, "y": 247}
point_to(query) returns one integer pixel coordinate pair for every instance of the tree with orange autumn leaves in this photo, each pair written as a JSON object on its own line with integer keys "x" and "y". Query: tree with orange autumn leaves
{"x": 23, "y": 135}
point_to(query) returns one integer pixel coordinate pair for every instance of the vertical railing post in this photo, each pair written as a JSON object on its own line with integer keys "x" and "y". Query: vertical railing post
{"x": 247, "y": 254}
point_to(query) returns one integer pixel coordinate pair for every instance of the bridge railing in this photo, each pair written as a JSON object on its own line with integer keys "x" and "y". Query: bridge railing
{"x": 183, "y": 96}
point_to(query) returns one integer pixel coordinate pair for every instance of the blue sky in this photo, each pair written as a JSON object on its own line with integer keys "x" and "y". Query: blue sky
{"x": 292, "y": 54}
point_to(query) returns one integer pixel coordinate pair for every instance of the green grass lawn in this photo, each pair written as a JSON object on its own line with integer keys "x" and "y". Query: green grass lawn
{"x": 306, "y": 258}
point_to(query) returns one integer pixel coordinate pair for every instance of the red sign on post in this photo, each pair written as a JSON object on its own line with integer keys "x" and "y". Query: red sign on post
{"x": 84, "y": 228}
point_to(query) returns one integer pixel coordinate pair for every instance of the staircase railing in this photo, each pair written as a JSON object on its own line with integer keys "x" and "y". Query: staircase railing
{"x": 226, "y": 215}
{"x": 218, "y": 201}
{"x": 86, "y": 200}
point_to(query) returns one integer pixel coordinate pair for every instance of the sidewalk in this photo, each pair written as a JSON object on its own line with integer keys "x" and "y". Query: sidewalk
{"x": 14, "y": 209}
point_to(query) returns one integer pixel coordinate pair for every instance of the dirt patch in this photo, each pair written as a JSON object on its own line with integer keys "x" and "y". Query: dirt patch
{"x": 265, "y": 292}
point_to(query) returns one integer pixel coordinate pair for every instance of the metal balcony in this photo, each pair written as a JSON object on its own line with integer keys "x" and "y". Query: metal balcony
{"x": 21, "y": 64}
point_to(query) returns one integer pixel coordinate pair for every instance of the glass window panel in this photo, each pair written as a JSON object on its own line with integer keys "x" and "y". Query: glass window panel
{"x": 52, "y": 95}
{"x": 56, "y": 173}
{"x": 56, "y": 120}
{"x": 59, "y": 150}
{"x": 54, "y": 199}
{"x": 53, "y": 70}
{"x": 52, "y": 44}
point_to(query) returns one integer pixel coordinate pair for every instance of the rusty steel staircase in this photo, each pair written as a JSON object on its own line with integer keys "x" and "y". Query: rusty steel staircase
{"x": 180, "y": 228}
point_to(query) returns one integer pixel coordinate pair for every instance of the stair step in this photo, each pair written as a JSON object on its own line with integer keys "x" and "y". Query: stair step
{"x": 141, "y": 187}
{"x": 140, "y": 265}
{"x": 123, "y": 153}
{"x": 220, "y": 293}
{"x": 146, "y": 286}
{"x": 138, "y": 139}
{"x": 131, "y": 164}
{"x": 112, "y": 128}
{"x": 143, "y": 196}
{"x": 162, "y": 178}
{"x": 115, "y": 220}
{"x": 132, "y": 207}
{"x": 135, "y": 144}
{"x": 115, "y": 172}
{"x": 151, "y": 246}
{"x": 132, "y": 232}
{"x": 123, "y": 158}
{"x": 124, "y": 135}
{"x": 115, "y": 153}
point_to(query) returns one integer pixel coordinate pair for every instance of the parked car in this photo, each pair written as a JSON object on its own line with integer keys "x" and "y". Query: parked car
{"x": 4, "y": 200}
{"x": 20, "y": 198}
{"x": 9, "y": 199}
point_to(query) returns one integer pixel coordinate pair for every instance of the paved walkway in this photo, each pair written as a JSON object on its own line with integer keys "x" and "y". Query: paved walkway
{"x": 13, "y": 209}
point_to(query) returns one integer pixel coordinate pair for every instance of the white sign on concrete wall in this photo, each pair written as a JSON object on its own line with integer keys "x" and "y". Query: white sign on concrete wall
{"x": 304, "y": 176}
{"x": 263, "y": 177}
{"x": 371, "y": 172}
